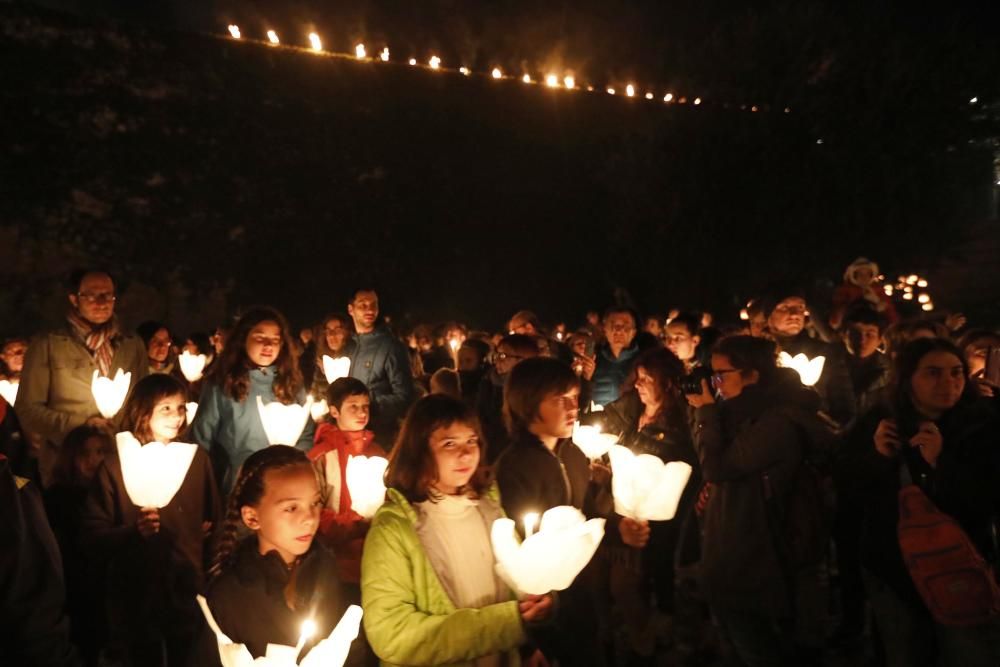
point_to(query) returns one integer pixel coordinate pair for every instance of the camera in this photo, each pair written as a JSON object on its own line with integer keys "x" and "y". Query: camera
{"x": 691, "y": 383}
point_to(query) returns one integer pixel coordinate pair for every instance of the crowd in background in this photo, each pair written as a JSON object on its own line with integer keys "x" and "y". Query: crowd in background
{"x": 787, "y": 547}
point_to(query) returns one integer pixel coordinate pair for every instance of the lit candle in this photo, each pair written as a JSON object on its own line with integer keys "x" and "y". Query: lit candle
{"x": 308, "y": 630}
{"x": 454, "y": 344}
{"x": 630, "y": 90}
{"x": 530, "y": 521}
{"x": 385, "y": 55}
{"x": 359, "y": 51}
{"x": 109, "y": 394}
{"x": 497, "y": 74}
{"x": 272, "y": 37}
{"x": 551, "y": 81}
{"x": 435, "y": 62}
{"x": 569, "y": 82}
{"x": 315, "y": 42}
{"x": 526, "y": 78}
{"x": 234, "y": 30}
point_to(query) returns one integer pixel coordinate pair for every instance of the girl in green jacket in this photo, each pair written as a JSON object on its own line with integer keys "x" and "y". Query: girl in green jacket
{"x": 428, "y": 585}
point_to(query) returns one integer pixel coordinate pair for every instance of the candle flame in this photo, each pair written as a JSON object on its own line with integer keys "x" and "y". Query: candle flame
{"x": 234, "y": 30}
{"x": 530, "y": 521}
{"x": 385, "y": 55}
{"x": 434, "y": 62}
{"x": 908, "y": 296}
{"x": 552, "y": 81}
{"x": 272, "y": 37}
{"x": 630, "y": 90}
{"x": 315, "y": 42}
{"x": 413, "y": 61}
{"x": 526, "y": 78}
{"x": 569, "y": 82}
{"x": 669, "y": 97}
{"x": 611, "y": 91}
{"x": 497, "y": 73}
{"x": 359, "y": 51}
{"x": 308, "y": 628}
{"x": 923, "y": 298}
{"x": 928, "y": 306}
{"x": 921, "y": 283}
{"x": 697, "y": 101}
{"x": 464, "y": 70}
{"x": 649, "y": 96}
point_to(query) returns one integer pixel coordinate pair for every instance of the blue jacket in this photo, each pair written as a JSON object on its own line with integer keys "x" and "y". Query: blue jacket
{"x": 383, "y": 364}
{"x": 611, "y": 373}
{"x": 234, "y": 426}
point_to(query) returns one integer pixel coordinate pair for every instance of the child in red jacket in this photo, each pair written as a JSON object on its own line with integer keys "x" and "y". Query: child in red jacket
{"x": 344, "y": 436}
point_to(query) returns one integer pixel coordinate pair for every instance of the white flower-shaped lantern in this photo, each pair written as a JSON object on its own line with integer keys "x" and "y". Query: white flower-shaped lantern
{"x": 192, "y": 365}
{"x": 319, "y": 410}
{"x": 192, "y": 410}
{"x": 334, "y": 369}
{"x": 644, "y": 487}
{"x": 550, "y": 559}
{"x": 109, "y": 394}
{"x": 809, "y": 370}
{"x": 366, "y": 482}
{"x": 8, "y": 390}
{"x": 153, "y": 472}
{"x": 331, "y": 652}
{"x": 283, "y": 424}
{"x": 591, "y": 441}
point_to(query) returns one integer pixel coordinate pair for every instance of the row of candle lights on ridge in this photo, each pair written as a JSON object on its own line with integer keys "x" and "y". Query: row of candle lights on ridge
{"x": 907, "y": 286}
{"x": 550, "y": 80}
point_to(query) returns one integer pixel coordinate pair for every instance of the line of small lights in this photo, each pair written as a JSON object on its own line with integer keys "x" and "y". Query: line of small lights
{"x": 550, "y": 80}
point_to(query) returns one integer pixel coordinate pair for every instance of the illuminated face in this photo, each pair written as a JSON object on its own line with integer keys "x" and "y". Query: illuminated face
{"x": 168, "y": 418}
{"x": 937, "y": 383}
{"x": 976, "y": 354}
{"x": 789, "y": 317}
{"x": 868, "y": 338}
{"x": 729, "y": 381}
{"x": 287, "y": 516}
{"x": 335, "y": 334}
{"x": 364, "y": 311}
{"x": 13, "y": 356}
{"x": 520, "y": 325}
{"x": 456, "y": 452}
{"x": 264, "y": 343}
{"x": 95, "y": 300}
{"x": 645, "y": 386}
{"x": 681, "y": 342}
{"x": 556, "y": 415}
{"x": 353, "y": 413}
{"x": 619, "y": 329}
{"x": 159, "y": 346}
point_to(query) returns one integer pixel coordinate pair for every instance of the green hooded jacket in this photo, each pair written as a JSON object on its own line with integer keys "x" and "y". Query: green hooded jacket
{"x": 409, "y": 617}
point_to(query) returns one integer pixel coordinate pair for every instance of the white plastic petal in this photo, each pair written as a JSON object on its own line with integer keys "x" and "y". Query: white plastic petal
{"x": 153, "y": 472}
{"x": 8, "y": 390}
{"x": 319, "y": 410}
{"x": 109, "y": 394}
{"x": 809, "y": 370}
{"x": 282, "y": 423}
{"x": 334, "y": 369}
{"x": 192, "y": 365}
{"x": 591, "y": 441}
{"x": 551, "y": 558}
{"x": 366, "y": 482}
{"x": 192, "y": 410}
{"x": 644, "y": 487}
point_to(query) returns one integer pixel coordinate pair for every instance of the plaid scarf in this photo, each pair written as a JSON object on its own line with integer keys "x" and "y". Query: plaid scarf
{"x": 99, "y": 339}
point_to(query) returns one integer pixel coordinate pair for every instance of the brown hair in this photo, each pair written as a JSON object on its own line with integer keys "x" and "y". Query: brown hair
{"x": 65, "y": 471}
{"x": 412, "y": 469}
{"x": 530, "y": 383}
{"x": 232, "y": 372}
{"x": 667, "y": 372}
{"x": 142, "y": 400}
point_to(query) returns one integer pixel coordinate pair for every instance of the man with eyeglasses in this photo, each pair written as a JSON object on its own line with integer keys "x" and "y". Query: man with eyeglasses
{"x": 614, "y": 356}
{"x": 511, "y": 350}
{"x": 786, "y": 313}
{"x": 55, "y": 395}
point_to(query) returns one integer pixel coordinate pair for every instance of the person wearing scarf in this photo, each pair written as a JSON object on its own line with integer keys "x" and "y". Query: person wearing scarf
{"x": 55, "y": 396}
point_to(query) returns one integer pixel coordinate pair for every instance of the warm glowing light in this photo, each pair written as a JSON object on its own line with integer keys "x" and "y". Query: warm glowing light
{"x": 359, "y": 51}
{"x": 649, "y": 96}
{"x": 385, "y": 55}
{"x": 912, "y": 279}
{"x": 596, "y": 407}
{"x": 630, "y": 90}
{"x": 315, "y": 42}
{"x": 434, "y": 62}
{"x": 754, "y": 108}
{"x": 921, "y": 283}
{"x": 923, "y": 298}
{"x": 644, "y": 487}
{"x": 591, "y": 441}
{"x": 234, "y": 30}
{"x": 153, "y": 473}
{"x": 365, "y": 480}
{"x": 809, "y": 370}
{"x": 464, "y": 70}
{"x": 552, "y": 81}
{"x": 697, "y": 101}
{"x": 191, "y": 411}
{"x": 192, "y": 365}
{"x": 928, "y": 306}
{"x": 744, "y": 314}
{"x": 319, "y": 410}
{"x": 308, "y": 630}
{"x": 611, "y": 91}
{"x": 109, "y": 394}
{"x": 8, "y": 390}
{"x": 282, "y": 423}
{"x": 413, "y": 61}
{"x": 590, "y": 89}
{"x": 526, "y": 78}
{"x": 669, "y": 97}
{"x": 973, "y": 100}
{"x": 569, "y": 82}
{"x": 888, "y": 290}
{"x": 530, "y": 521}
{"x": 272, "y": 37}
{"x": 334, "y": 369}
{"x": 496, "y": 73}
{"x": 454, "y": 344}
{"x": 908, "y": 296}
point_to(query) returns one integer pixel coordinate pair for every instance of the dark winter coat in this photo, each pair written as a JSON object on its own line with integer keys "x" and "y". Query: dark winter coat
{"x": 611, "y": 373}
{"x": 489, "y": 407}
{"x": 382, "y": 362}
{"x": 739, "y": 441}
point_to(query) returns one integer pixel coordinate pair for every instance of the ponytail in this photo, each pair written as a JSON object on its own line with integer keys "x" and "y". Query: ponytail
{"x": 248, "y": 490}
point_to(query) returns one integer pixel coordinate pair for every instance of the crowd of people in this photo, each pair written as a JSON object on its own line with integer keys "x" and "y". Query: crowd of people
{"x": 794, "y": 540}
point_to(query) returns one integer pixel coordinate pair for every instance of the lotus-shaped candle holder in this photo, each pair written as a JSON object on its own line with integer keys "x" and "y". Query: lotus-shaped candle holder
{"x": 192, "y": 410}
{"x": 8, "y": 390}
{"x": 550, "y": 559}
{"x": 366, "y": 482}
{"x": 153, "y": 472}
{"x": 109, "y": 394}
{"x": 334, "y": 369}
{"x": 331, "y": 652}
{"x": 592, "y": 441}
{"x": 318, "y": 410}
{"x": 809, "y": 370}
{"x": 192, "y": 365}
{"x": 283, "y": 424}
{"x": 644, "y": 487}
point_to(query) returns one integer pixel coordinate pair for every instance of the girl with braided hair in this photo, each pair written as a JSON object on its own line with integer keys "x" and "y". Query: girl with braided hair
{"x": 264, "y": 585}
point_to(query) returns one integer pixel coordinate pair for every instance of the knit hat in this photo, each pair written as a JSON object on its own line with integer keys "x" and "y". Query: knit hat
{"x": 777, "y": 293}
{"x": 857, "y": 265}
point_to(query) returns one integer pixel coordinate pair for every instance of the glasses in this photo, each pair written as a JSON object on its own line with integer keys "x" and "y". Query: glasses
{"x": 100, "y": 297}
{"x": 503, "y": 356}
